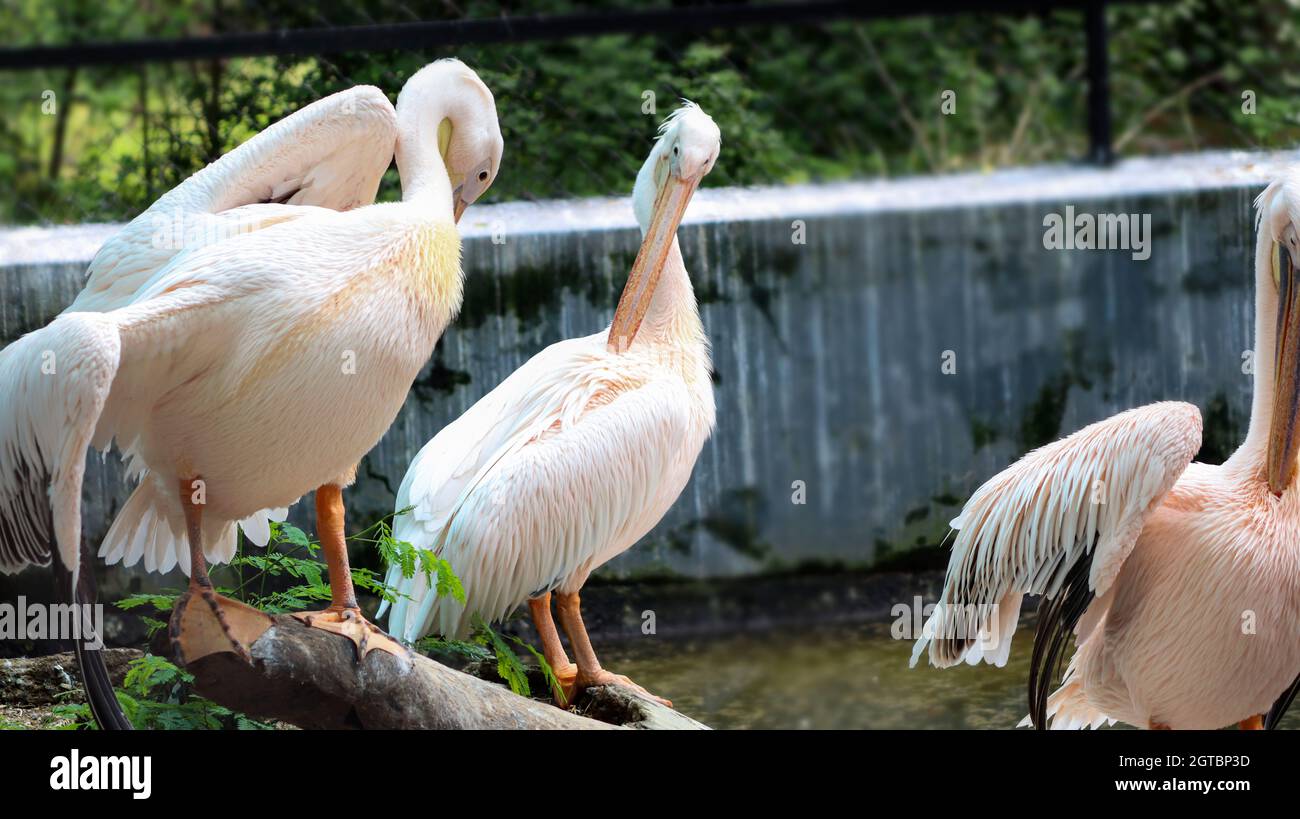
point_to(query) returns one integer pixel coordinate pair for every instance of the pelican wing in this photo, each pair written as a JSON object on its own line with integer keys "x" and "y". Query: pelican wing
{"x": 60, "y": 384}
{"x": 1029, "y": 528}
{"x": 57, "y": 380}
{"x": 330, "y": 154}
{"x": 92, "y": 378}
{"x": 567, "y": 462}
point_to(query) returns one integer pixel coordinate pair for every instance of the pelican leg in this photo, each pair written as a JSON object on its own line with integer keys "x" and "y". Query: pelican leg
{"x": 1255, "y": 723}
{"x": 553, "y": 650}
{"x": 343, "y": 616}
{"x": 221, "y": 625}
{"x": 569, "y": 608}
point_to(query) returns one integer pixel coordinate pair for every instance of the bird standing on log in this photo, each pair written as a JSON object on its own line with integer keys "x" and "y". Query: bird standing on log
{"x": 579, "y": 452}
{"x": 1179, "y": 581}
{"x": 243, "y": 364}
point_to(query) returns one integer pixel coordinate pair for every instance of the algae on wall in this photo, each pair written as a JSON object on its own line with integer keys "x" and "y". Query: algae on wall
{"x": 840, "y": 438}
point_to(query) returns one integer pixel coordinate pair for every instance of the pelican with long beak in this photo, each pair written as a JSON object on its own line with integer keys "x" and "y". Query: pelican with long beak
{"x": 1179, "y": 581}
{"x": 579, "y": 452}
{"x": 243, "y": 364}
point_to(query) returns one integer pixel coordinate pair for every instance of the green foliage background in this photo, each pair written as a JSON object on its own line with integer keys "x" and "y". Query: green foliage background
{"x": 794, "y": 102}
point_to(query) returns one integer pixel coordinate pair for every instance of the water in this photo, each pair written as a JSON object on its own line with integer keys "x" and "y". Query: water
{"x": 830, "y": 678}
{"x": 852, "y": 677}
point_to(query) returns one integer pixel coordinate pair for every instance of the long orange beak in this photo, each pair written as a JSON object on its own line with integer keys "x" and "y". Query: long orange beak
{"x": 458, "y": 209}
{"x": 1283, "y": 442}
{"x": 669, "y": 208}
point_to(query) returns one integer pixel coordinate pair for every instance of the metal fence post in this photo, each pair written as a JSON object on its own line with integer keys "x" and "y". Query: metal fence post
{"x": 1100, "y": 151}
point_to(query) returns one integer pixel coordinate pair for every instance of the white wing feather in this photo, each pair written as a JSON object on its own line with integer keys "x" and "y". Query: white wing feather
{"x": 69, "y": 387}
{"x": 536, "y": 484}
{"x": 57, "y": 380}
{"x": 1022, "y": 531}
{"x": 112, "y": 367}
{"x": 257, "y": 284}
{"x": 330, "y": 154}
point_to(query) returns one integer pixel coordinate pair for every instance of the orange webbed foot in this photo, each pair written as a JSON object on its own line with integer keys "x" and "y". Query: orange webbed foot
{"x": 220, "y": 625}
{"x": 603, "y": 677}
{"x": 567, "y": 677}
{"x": 366, "y": 636}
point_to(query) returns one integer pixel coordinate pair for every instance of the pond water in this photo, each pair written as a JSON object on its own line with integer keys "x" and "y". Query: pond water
{"x": 845, "y": 677}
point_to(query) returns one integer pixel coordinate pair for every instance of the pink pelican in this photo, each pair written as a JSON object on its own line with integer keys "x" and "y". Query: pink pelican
{"x": 247, "y": 340}
{"x": 1180, "y": 581}
{"x": 579, "y": 452}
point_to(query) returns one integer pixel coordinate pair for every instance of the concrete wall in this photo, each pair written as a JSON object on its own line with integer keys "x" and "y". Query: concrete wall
{"x": 829, "y": 354}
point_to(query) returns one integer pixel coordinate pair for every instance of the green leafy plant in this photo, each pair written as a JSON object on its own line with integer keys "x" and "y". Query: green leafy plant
{"x": 465, "y": 649}
{"x": 486, "y": 643}
{"x": 155, "y": 692}
{"x": 552, "y": 682}
{"x": 158, "y": 695}
{"x": 254, "y": 576}
{"x": 508, "y": 664}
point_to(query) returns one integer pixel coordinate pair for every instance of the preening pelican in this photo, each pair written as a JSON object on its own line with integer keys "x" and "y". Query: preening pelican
{"x": 579, "y": 452}
{"x": 330, "y": 154}
{"x": 1180, "y": 581}
{"x": 239, "y": 372}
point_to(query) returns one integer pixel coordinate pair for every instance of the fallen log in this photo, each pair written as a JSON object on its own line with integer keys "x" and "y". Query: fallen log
{"x": 313, "y": 679}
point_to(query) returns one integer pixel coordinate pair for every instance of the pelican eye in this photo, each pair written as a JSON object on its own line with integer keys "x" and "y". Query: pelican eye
{"x": 482, "y": 176}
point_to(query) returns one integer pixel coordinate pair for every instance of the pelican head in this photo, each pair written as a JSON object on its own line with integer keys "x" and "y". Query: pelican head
{"x": 447, "y": 98}
{"x": 687, "y": 147}
{"x": 1276, "y": 256}
{"x": 685, "y": 152}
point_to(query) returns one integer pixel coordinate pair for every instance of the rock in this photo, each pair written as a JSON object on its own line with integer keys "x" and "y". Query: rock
{"x": 54, "y": 679}
{"x": 606, "y": 703}
{"x": 622, "y": 706}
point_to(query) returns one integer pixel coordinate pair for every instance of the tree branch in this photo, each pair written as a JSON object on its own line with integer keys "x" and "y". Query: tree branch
{"x": 1163, "y": 105}
{"x": 311, "y": 678}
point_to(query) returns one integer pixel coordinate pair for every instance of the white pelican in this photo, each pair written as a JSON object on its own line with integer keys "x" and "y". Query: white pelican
{"x": 1180, "y": 581}
{"x": 579, "y": 452}
{"x": 240, "y": 372}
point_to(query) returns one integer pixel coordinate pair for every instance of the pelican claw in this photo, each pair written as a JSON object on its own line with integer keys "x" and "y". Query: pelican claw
{"x": 366, "y": 636}
{"x": 222, "y": 625}
{"x": 603, "y": 677}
